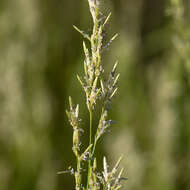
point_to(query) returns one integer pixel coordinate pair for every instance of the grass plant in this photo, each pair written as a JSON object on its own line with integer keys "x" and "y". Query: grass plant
{"x": 98, "y": 90}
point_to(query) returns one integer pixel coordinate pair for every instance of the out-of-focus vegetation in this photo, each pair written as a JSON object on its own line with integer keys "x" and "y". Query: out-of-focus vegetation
{"x": 39, "y": 56}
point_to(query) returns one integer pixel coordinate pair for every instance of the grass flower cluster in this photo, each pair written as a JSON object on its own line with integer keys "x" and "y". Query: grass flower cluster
{"x": 97, "y": 91}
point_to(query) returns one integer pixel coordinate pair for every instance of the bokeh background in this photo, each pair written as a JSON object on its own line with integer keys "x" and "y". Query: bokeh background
{"x": 40, "y": 55}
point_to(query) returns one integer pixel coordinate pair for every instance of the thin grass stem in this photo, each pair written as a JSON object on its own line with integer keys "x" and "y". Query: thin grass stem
{"x": 90, "y": 142}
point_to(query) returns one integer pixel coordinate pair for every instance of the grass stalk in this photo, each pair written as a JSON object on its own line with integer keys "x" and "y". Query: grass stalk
{"x": 90, "y": 152}
{"x": 97, "y": 90}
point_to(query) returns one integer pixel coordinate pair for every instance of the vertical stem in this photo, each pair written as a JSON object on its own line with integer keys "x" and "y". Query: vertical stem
{"x": 78, "y": 180}
{"x": 90, "y": 135}
{"x": 90, "y": 152}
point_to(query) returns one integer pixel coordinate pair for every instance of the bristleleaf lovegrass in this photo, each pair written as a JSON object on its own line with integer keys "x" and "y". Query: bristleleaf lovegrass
{"x": 97, "y": 91}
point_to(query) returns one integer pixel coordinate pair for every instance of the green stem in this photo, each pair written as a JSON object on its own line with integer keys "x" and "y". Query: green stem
{"x": 96, "y": 139}
{"x": 90, "y": 152}
{"x": 79, "y": 174}
{"x": 94, "y": 147}
{"x": 90, "y": 136}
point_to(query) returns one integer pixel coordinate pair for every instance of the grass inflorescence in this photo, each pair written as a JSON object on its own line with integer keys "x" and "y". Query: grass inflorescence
{"x": 97, "y": 91}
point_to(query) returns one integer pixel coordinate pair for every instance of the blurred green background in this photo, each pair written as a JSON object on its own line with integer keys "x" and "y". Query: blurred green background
{"x": 40, "y": 55}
